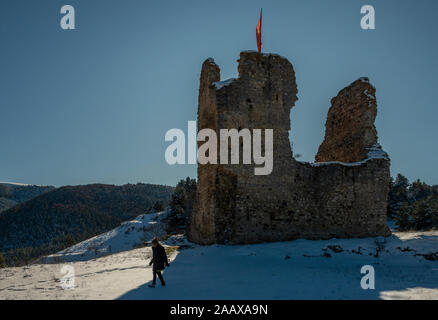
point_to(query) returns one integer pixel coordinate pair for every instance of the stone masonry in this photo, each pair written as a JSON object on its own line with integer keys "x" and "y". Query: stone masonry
{"x": 349, "y": 129}
{"x": 343, "y": 194}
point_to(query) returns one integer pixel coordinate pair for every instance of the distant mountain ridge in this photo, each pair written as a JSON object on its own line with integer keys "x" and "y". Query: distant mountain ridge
{"x": 12, "y": 194}
{"x": 67, "y": 215}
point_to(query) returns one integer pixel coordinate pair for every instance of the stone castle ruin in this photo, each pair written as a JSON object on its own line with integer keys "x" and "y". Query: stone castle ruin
{"x": 343, "y": 194}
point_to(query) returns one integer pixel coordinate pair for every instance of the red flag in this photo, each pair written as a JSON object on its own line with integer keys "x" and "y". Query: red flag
{"x": 259, "y": 33}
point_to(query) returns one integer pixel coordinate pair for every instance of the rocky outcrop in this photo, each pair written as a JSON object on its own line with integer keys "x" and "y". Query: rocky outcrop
{"x": 341, "y": 197}
{"x": 349, "y": 128}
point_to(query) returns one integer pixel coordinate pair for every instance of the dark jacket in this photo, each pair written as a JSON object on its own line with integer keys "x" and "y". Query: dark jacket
{"x": 159, "y": 258}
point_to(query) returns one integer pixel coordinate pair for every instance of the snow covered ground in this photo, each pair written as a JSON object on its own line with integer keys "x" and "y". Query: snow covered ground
{"x": 303, "y": 269}
{"x": 129, "y": 235}
{"x": 328, "y": 269}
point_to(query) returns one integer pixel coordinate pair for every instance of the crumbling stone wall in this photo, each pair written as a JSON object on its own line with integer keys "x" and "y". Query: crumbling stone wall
{"x": 343, "y": 194}
{"x": 349, "y": 129}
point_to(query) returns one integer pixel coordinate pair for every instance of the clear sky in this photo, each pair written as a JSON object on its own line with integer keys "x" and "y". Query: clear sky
{"x": 93, "y": 104}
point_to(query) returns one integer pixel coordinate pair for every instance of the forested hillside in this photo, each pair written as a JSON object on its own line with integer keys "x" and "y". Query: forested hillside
{"x": 67, "y": 215}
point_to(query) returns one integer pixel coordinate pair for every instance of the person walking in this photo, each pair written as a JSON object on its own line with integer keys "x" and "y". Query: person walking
{"x": 159, "y": 262}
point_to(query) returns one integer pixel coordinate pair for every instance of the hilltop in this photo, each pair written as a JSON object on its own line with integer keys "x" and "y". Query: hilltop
{"x": 12, "y": 194}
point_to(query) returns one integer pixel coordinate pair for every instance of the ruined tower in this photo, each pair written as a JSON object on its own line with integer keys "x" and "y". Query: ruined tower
{"x": 342, "y": 195}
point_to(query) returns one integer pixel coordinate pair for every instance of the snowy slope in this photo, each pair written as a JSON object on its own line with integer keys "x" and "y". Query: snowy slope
{"x": 303, "y": 269}
{"x": 125, "y": 237}
{"x": 405, "y": 268}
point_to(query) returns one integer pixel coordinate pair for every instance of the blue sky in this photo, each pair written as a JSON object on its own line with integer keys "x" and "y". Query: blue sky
{"x": 93, "y": 104}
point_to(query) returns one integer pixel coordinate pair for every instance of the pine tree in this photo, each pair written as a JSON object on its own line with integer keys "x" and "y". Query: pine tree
{"x": 425, "y": 214}
{"x": 2, "y": 261}
{"x": 402, "y": 219}
{"x": 418, "y": 215}
{"x": 398, "y": 194}
{"x": 401, "y": 186}
{"x": 158, "y": 206}
{"x": 419, "y": 190}
{"x": 181, "y": 203}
